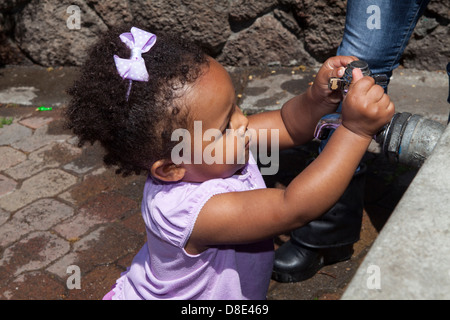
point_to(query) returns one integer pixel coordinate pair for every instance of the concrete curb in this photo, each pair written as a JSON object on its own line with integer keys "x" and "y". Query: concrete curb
{"x": 410, "y": 259}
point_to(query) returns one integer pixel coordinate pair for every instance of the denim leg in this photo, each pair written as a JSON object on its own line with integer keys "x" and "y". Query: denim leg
{"x": 378, "y": 31}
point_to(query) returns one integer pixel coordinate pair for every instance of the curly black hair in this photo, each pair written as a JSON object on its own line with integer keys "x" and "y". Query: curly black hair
{"x": 137, "y": 132}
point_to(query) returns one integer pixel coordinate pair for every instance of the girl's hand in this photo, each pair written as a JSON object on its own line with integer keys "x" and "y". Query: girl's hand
{"x": 324, "y": 97}
{"x": 366, "y": 108}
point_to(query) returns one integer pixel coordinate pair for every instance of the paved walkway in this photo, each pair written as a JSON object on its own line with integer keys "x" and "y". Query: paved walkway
{"x": 64, "y": 214}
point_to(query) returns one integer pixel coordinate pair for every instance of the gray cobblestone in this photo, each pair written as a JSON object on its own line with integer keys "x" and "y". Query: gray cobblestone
{"x": 39, "y": 139}
{"x": 42, "y": 159}
{"x": 4, "y": 216}
{"x": 10, "y": 157}
{"x": 6, "y": 185}
{"x": 45, "y": 184}
{"x": 34, "y": 252}
{"x": 13, "y": 134}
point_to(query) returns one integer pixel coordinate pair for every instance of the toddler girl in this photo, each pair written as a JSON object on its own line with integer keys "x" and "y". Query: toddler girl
{"x": 210, "y": 224}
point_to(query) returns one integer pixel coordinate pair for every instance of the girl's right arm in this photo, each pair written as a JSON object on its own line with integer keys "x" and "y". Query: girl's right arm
{"x": 243, "y": 217}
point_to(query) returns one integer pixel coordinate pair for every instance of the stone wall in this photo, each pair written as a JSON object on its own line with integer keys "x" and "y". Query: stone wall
{"x": 236, "y": 32}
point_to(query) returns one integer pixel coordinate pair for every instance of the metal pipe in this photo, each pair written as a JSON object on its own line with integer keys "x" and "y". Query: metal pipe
{"x": 408, "y": 139}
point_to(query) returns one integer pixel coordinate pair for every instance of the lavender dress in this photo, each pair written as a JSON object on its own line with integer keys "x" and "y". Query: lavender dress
{"x": 164, "y": 270}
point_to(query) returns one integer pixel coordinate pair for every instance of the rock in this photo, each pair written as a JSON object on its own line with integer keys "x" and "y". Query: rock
{"x": 42, "y": 32}
{"x": 204, "y": 21}
{"x": 288, "y": 21}
{"x": 112, "y": 12}
{"x": 243, "y": 10}
{"x": 431, "y": 52}
{"x": 424, "y": 26}
{"x": 9, "y": 51}
{"x": 323, "y": 24}
{"x": 303, "y": 31}
{"x": 440, "y": 8}
{"x": 250, "y": 48}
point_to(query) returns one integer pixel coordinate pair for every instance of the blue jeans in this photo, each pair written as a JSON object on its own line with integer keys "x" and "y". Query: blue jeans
{"x": 378, "y": 31}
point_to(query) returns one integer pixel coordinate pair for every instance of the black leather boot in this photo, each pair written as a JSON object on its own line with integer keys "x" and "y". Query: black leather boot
{"x": 326, "y": 240}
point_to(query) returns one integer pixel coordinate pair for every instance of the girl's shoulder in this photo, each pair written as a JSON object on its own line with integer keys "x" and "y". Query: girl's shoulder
{"x": 174, "y": 193}
{"x": 170, "y": 210}
{"x": 247, "y": 178}
{"x": 181, "y": 196}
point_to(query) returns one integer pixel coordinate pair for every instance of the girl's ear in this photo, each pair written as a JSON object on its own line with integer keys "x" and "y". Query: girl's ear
{"x": 166, "y": 170}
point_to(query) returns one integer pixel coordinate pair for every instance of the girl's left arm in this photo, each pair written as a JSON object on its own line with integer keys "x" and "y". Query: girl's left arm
{"x": 298, "y": 117}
